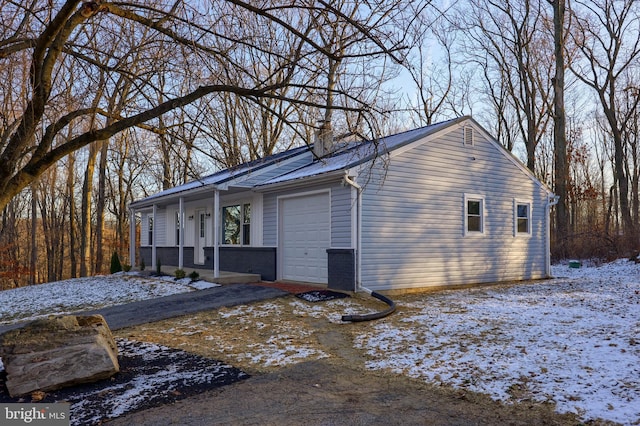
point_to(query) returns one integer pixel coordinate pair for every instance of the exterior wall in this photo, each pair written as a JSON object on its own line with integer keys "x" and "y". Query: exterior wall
{"x": 342, "y": 269}
{"x": 413, "y": 231}
{"x": 159, "y": 225}
{"x": 254, "y": 260}
{"x": 341, "y": 204}
{"x": 340, "y": 214}
{"x": 168, "y": 256}
{"x": 166, "y": 226}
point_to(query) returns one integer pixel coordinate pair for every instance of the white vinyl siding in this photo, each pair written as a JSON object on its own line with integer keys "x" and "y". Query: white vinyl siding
{"x": 413, "y": 224}
{"x": 172, "y": 232}
{"x": 341, "y": 203}
{"x": 159, "y": 225}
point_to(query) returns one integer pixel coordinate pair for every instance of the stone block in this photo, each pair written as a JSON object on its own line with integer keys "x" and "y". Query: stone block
{"x": 56, "y": 352}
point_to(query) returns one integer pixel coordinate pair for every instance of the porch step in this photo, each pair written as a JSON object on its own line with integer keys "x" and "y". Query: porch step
{"x": 225, "y": 277}
{"x": 231, "y": 278}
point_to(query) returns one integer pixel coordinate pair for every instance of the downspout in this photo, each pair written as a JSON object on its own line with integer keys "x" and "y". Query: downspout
{"x": 359, "y": 287}
{"x": 358, "y": 188}
{"x": 552, "y": 200}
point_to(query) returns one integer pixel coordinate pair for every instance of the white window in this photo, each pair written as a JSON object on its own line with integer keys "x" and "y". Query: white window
{"x": 150, "y": 230}
{"x": 521, "y": 218}
{"x": 177, "y": 222}
{"x": 236, "y": 224}
{"x": 473, "y": 214}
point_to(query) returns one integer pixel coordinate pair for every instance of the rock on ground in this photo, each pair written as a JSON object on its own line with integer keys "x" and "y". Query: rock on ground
{"x": 56, "y": 352}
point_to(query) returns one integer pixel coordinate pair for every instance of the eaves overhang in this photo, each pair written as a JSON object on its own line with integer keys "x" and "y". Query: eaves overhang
{"x": 175, "y": 196}
{"x": 301, "y": 182}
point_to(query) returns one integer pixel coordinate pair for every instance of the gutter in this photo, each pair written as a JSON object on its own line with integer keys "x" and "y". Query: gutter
{"x": 359, "y": 287}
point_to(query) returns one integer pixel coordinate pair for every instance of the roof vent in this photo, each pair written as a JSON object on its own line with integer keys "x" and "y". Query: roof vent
{"x": 468, "y": 135}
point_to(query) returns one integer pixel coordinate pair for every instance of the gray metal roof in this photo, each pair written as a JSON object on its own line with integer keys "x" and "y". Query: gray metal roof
{"x": 247, "y": 175}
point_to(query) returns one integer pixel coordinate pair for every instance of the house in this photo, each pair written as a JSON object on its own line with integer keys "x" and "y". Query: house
{"x": 442, "y": 205}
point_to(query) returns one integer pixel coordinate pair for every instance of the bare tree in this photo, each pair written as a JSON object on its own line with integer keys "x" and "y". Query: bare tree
{"x": 53, "y": 34}
{"x": 607, "y": 35}
{"x": 559, "y": 125}
{"x": 431, "y": 65}
{"x": 508, "y": 40}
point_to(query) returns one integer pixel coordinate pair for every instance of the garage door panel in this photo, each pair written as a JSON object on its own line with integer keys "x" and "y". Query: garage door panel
{"x": 306, "y": 236}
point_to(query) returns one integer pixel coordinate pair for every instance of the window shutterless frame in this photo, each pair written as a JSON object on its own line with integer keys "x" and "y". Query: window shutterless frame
{"x": 150, "y": 240}
{"x": 521, "y": 218}
{"x": 473, "y": 214}
{"x": 236, "y": 224}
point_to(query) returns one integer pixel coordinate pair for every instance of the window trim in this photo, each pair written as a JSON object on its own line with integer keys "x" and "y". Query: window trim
{"x": 150, "y": 225}
{"x": 242, "y": 224}
{"x": 465, "y": 211}
{"x": 529, "y": 205}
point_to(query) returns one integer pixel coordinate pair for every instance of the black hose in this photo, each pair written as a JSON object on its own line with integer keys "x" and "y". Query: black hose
{"x": 376, "y": 315}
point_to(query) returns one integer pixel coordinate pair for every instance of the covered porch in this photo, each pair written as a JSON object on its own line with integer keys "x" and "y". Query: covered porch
{"x": 183, "y": 230}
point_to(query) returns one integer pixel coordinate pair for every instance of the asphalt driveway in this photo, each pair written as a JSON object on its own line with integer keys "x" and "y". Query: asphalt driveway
{"x": 151, "y": 310}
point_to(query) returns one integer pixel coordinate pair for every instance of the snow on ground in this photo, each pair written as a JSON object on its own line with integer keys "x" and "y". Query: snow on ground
{"x": 62, "y": 297}
{"x": 574, "y": 340}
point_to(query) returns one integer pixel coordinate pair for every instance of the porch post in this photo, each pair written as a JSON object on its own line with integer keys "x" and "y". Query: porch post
{"x": 216, "y": 234}
{"x": 153, "y": 237}
{"x": 132, "y": 237}
{"x": 181, "y": 234}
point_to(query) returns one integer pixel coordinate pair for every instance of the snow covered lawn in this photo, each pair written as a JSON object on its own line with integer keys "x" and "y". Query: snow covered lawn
{"x": 573, "y": 341}
{"x": 62, "y": 297}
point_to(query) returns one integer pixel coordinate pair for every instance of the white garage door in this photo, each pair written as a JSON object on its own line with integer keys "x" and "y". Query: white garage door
{"x": 305, "y": 235}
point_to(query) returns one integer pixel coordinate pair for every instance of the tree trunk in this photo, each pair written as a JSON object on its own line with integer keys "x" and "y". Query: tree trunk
{"x": 100, "y": 206}
{"x": 34, "y": 240}
{"x": 85, "y": 219}
{"x": 623, "y": 186}
{"x": 560, "y": 136}
{"x": 73, "y": 262}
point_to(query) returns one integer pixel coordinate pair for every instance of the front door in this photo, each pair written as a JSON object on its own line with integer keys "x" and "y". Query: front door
{"x": 201, "y": 237}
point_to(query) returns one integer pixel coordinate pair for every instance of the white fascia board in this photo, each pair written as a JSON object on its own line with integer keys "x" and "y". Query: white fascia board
{"x": 167, "y": 199}
{"x": 301, "y": 182}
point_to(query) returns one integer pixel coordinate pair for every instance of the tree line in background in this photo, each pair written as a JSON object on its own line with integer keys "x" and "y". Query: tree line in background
{"x": 103, "y": 103}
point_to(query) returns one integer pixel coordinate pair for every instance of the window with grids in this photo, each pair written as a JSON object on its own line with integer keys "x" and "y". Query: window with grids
{"x": 236, "y": 224}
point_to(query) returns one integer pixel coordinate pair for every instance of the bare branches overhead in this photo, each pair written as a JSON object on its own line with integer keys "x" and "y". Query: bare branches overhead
{"x": 169, "y": 55}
